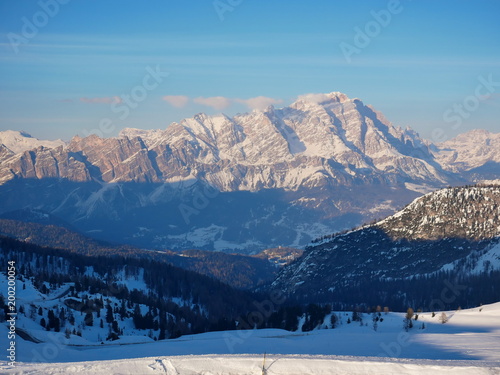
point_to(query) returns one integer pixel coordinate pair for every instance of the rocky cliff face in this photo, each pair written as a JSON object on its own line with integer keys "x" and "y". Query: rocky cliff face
{"x": 324, "y": 163}
{"x": 338, "y": 140}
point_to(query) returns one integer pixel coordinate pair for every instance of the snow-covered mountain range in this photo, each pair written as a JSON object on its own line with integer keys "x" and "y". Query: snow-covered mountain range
{"x": 306, "y": 144}
{"x": 20, "y": 141}
{"x": 323, "y": 163}
{"x": 475, "y": 154}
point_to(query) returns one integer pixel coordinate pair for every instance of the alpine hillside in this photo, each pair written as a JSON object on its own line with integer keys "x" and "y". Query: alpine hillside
{"x": 449, "y": 237}
{"x": 237, "y": 270}
{"x": 107, "y": 297}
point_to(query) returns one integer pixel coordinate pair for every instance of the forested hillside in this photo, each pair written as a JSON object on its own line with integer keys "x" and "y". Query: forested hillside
{"x": 444, "y": 240}
{"x": 118, "y": 295}
{"x": 240, "y": 271}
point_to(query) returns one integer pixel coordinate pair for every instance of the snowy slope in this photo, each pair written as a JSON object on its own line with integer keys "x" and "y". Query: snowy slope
{"x": 17, "y": 141}
{"x": 31, "y": 300}
{"x": 486, "y": 260}
{"x": 469, "y": 343}
{"x": 469, "y": 150}
{"x": 454, "y": 230}
{"x": 253, "y": 364}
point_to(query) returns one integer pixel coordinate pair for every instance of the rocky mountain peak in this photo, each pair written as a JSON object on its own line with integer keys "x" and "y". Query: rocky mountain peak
{"x": 328, "y": 156}
{"x": 334, "y": 136}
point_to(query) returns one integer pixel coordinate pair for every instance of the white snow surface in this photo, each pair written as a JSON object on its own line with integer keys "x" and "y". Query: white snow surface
{"x": 469, "y": 343}
{"x": 17, "y": 141}
{"x": 469, "y": 150}
{"x": 489, "y": 260}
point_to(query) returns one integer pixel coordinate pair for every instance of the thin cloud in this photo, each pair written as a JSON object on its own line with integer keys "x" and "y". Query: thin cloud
{"x": 314, "y": 98}
{"x": 178, "y": 101}
{"x": 104, "y": 100}
{"x": 222, "y": 102}
{"x": 259, "y": 102}
{"x": 216, "y": 102}
{"x": 492, "y": 99}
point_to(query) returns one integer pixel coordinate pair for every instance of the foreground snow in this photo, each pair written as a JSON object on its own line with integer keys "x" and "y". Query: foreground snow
{"x": 469, "y": 343}
{"x": 253, "y": 364}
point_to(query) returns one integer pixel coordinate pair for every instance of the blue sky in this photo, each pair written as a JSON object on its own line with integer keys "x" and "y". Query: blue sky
{"x": 424, "y": 64}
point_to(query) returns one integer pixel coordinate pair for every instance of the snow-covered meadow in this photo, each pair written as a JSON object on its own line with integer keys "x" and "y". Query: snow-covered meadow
{"x": 468, "y": 343}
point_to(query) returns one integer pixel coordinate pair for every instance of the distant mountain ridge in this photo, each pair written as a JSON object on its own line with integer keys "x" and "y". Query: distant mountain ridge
{"x": 324, "y": 163}
{"x": 469, "y": 150}
{"x": 20, "y": 141}
{"x": 475, "y": 155}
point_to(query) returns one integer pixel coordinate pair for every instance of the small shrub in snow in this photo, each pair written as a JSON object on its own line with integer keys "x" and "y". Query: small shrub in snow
{"x": 443, "y": 318}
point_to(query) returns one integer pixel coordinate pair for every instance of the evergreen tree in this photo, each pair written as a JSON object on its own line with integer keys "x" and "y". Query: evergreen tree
{"x": 89, "y": 319}
{"x": 115, "y": 327}
{"x": 109, "y": 314}
{"x": 334, "y": 320}
{"x": 52, "y": 319}
{"x": 57, "y": 325}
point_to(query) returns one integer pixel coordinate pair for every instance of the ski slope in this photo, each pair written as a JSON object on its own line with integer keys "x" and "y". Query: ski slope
{"x": 469, "y": 343}
{"x": 252, "y": 364}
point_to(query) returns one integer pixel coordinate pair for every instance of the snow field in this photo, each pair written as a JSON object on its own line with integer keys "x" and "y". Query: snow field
{"x": 469, "y": 343}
